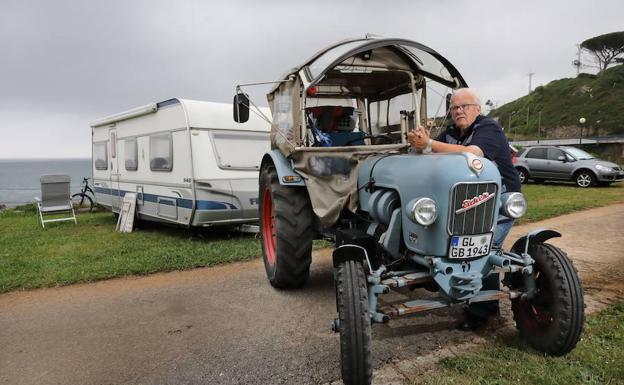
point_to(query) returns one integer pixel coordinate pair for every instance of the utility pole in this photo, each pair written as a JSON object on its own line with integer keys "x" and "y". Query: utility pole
{"x": 530, "y": 76}
{"x": 527, "y": 129}
{"x": 539, "y": 125}
{"x": 509, "y": 125}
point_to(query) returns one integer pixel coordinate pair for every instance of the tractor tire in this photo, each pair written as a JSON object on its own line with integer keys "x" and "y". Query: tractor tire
{"x": 552, "y": 321}
{"x": 286, "y": 231}
{"x": 354, "y": 324}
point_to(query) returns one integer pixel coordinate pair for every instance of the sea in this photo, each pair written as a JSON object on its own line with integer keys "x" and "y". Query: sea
{"x": 19, "y": 178}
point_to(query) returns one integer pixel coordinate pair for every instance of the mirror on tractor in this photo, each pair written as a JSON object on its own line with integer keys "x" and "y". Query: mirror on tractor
{"x": 241, "y": 107}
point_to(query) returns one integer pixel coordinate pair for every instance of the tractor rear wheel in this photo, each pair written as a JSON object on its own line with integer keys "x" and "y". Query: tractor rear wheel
{"x": 286, "y": 231}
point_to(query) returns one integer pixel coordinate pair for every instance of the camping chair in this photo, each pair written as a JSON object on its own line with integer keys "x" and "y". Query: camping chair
{"x": 55, "y": 198}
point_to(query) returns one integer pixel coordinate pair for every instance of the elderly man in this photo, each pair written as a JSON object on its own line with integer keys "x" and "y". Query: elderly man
{"x": 482, "y": 136}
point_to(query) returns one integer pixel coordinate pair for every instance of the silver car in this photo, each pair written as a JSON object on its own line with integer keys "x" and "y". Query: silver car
{"x": 540, "y": 163}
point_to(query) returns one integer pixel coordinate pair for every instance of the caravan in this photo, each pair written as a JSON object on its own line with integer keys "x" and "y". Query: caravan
{"x": 188, "y": 162}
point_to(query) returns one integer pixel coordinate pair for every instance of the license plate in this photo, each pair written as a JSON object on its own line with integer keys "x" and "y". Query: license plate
{"x": 470, "y": 246}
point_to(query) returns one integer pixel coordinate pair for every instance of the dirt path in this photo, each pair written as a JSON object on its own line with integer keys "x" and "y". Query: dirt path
{"x": 226, "y": 325}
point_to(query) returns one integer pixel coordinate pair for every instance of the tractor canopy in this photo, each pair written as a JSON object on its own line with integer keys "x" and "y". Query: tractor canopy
{"x": 352, "y": 100}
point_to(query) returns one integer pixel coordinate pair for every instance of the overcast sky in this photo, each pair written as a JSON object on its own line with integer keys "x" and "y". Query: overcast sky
{"x": 66, "y": 63}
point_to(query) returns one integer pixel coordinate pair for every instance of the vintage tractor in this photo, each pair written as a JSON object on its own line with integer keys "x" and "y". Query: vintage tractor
{"x": 340, "y": 169}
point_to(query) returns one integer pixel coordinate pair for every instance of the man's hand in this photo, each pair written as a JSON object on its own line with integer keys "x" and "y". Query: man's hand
{"x": 418, "y": 138}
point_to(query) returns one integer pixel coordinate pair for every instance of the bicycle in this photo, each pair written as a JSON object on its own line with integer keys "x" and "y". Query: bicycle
{"x": 81, "y": 200}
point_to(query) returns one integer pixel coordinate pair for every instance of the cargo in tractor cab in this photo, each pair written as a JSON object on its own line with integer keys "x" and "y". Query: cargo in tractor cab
{"x": 340, "y": 169}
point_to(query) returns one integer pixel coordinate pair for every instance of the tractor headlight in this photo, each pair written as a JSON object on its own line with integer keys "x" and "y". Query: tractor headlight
{"x": 424, "y": 211}
{"x": 514, "y": 204}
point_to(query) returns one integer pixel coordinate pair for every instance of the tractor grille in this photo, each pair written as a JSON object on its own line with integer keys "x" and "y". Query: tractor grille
{"x": 476, "y": 203}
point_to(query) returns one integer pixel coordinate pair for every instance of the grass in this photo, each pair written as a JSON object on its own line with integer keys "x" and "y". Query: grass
{"x": 64, "y": 253}
{"x": 597, "y": 359}
{"x": 553, "y": 199}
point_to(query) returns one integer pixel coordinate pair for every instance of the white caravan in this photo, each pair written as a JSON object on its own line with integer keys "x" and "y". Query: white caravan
{"x": 187, "y": 160}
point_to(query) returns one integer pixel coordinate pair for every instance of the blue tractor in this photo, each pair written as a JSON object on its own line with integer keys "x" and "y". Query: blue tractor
{"x": 340, "y": 169}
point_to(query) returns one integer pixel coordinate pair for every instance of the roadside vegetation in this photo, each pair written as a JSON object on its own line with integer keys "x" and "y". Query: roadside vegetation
{"x": 552, "y": 199}
{"x": 557, "y": 107}
{"x": 64, "y": 253}
{"x": 597, "y": 359}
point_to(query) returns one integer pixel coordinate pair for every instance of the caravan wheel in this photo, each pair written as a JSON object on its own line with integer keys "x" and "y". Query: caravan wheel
{"x": 285, "y": 230}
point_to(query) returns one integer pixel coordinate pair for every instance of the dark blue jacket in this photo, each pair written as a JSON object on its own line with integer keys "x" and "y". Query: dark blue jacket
{"x": 488, "y": 135}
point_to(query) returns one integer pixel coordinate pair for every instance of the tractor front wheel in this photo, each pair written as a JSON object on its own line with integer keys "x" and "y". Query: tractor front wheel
{"x": 552, "y": 320}
{"x": 354, "y": 324}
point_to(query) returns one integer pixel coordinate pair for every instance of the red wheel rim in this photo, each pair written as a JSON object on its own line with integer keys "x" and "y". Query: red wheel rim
{"x": 268, "y": 227}
{"x": 537, "y": 317}
{"x": 534, "y": 318}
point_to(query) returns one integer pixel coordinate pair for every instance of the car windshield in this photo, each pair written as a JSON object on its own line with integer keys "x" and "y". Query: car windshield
{"x": 579, "y": 154}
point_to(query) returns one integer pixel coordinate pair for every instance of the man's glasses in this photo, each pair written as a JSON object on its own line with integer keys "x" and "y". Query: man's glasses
{"x": 461, "y": 107}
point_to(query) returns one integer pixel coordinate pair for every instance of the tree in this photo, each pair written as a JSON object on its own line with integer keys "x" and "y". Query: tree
{"x": 605, "y": 48}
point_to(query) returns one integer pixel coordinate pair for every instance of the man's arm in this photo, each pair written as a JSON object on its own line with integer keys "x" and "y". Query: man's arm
{"x": 437, "y": 146}
{"x": 419, "y": 139}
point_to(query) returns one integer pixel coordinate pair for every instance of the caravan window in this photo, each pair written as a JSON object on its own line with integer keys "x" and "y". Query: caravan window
{"x": 131, "y": 154}
{"x": 161, "y": 152}
{"x": 240, "y": 150}
{"x": 99, "y": 156}
{"x": 113, "y": 142}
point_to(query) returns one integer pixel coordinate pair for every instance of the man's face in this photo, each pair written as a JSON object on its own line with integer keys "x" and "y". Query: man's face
{"x": 464, "y": 117}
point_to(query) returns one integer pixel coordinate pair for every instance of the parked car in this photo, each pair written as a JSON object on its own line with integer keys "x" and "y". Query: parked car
{"x": 541, "y": 163}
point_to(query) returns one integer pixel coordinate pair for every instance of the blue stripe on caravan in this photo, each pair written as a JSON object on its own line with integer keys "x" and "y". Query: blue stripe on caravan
{"x": 180, "y": 202}
{"x": 212, "y": 205}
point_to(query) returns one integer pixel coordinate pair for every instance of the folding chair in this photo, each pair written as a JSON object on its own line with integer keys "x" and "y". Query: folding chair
{"x": 55, "y": 198}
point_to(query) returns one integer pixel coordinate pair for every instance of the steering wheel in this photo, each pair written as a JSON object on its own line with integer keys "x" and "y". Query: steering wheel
{"x": 385, "y": 137}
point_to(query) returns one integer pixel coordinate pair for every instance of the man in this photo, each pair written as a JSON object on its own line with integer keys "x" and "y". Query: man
{"x": 482, "y": 136}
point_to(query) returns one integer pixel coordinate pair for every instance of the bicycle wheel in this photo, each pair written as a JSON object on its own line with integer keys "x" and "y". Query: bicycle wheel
{"x": 82, "y": 202}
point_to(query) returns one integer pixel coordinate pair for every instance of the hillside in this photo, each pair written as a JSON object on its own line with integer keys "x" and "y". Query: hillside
{"x": 598, "y": 98}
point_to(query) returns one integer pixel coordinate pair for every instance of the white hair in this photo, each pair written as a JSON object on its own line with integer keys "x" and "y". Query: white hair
{"x": 470, "y": 91}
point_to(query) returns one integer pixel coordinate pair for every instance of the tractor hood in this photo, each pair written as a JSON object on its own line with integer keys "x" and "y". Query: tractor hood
{"x": 432, "y": 176}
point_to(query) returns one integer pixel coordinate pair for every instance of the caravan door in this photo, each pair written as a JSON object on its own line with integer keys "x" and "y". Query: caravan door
{"x": 116, "y": 194}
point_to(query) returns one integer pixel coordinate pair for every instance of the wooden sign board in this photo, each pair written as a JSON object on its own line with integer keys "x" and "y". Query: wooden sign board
{"x": 125, "y": 222}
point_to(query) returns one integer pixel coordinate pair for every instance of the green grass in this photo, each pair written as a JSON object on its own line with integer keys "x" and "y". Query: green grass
{"x": 597, "y": 359}
{"x": 553, "y": 199}
{"x": 64, "y": 253}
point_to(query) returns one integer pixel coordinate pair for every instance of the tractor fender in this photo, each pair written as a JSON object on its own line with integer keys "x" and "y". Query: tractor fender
{"x": 535, "y": 236}
{"x": 283, "y": 167}
{"x": 350, "y": 252}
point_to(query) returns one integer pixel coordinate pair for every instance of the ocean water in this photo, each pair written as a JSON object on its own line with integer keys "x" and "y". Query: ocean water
{"x": 19, "y": 178}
